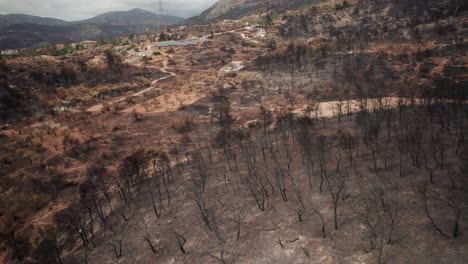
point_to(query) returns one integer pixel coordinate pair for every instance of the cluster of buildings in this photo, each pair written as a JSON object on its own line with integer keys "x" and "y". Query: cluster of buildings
{"x": 9, "y": 52}
{"x": 133, "y": 48}
{"x": 249, "y": 31}
{"x": 254, "y": 32}
{"x": 87, "y": 44}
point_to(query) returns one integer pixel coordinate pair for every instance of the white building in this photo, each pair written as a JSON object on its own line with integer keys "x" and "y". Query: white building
{"x": 98, "y": 59}
{"x": 88, "y": 44}
{"x": 261, "y": 33}
{"x": 9, "y": 52}
{"x": 134, "y": 53}
{"x": 233, "y": 66}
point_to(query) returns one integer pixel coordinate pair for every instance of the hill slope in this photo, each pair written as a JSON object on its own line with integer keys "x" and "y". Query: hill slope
{"x": 235, "y": 9}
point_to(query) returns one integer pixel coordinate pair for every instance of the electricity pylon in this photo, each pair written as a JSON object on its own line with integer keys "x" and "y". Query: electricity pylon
{"x": 160, "y": 12}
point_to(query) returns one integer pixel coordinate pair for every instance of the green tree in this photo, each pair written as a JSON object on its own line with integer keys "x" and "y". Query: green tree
{"x": 146, "y": 60}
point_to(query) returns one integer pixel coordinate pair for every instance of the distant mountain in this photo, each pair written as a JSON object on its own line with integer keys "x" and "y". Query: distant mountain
{"x": 24, "y": 31}
{"x": 133, "y": 17}
{"x": 35, "y": 36}
{"x": 7, "y": 20}
{"x": 235, "y": 9}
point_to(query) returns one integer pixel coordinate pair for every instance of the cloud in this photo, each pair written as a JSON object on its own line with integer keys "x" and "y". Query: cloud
{"x": 71, "y": 10}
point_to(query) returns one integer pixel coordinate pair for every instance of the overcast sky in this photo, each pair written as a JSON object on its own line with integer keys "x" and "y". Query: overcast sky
{"x": 81, "y": 9}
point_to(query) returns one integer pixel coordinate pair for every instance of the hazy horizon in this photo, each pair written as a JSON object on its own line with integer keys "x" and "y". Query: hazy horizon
{"x": 72, "y": 11}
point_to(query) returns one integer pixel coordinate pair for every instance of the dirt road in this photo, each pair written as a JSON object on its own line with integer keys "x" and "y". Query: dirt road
{"x": 165, "y": 69}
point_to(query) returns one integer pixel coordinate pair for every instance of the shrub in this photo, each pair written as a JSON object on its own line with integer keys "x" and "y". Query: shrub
{"x": 137, "y": 116}
{"x": 183, "y": 124}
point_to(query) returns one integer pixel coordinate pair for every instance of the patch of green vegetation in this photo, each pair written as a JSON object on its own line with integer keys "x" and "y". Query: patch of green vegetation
{"x": 146, "y": 59}
{"x": 9, "y": 57}
{"x": 253, "y": 21}
{"x": 113, "y": 42}
{"x": 56, "y": 52}
{"x": 170, "y": 50}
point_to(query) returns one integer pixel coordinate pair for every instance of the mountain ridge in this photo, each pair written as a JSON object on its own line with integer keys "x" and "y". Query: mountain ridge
{"x": 136, "y": 16}
{"x": 109, "y": 18}
{"x": 11, "y": 19}
{"x": 25, "y": 31}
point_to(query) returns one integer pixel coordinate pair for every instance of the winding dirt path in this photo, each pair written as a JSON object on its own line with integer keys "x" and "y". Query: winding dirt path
{"x": 165, "y": 69}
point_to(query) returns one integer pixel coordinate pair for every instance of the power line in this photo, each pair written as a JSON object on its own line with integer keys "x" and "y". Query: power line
{"x": 160, "y": 12}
